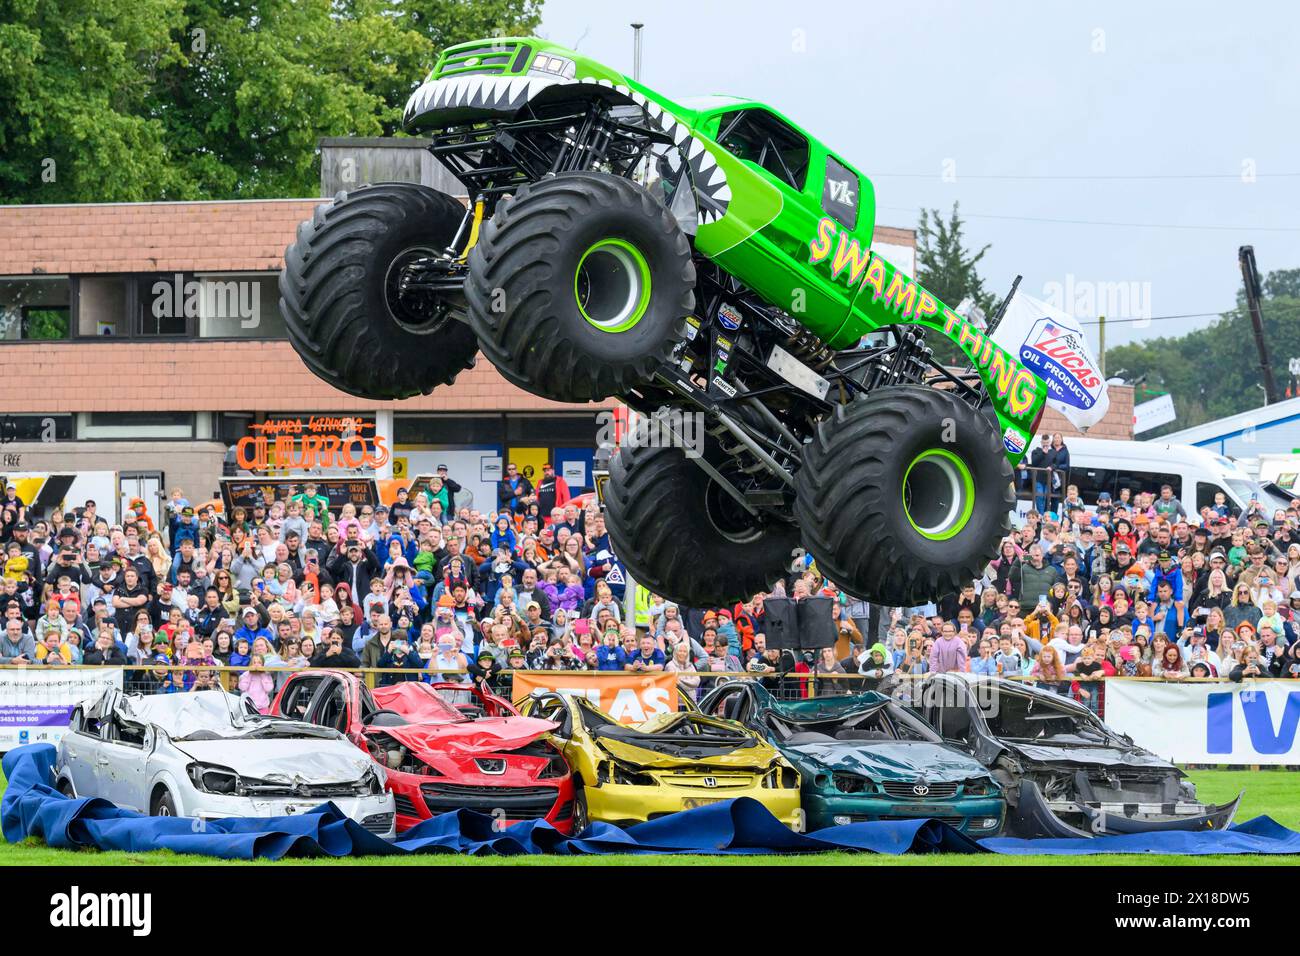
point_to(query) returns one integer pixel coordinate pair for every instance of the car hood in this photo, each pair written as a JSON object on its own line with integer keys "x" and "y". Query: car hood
{"x": 1087, "y": 756}
{"x": 288, "y": 760}
{"x": 757, "y": 757}
{"x": 890, "y": 760}
{"x": 485, "y": 735}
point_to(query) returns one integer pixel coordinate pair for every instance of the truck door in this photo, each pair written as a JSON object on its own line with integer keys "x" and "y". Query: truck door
{"x": 775, "y": 261}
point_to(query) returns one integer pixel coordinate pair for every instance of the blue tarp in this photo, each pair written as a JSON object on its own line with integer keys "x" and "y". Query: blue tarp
{"x": 32, "y": 808}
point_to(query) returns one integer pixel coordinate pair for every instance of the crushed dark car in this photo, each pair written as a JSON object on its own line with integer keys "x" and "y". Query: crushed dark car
{"x": 1064, "y": 772}
{"x": 863, "y": 757}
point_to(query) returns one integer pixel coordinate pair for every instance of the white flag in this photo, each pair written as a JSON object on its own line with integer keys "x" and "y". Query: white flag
{"x": 1052, "y": 345}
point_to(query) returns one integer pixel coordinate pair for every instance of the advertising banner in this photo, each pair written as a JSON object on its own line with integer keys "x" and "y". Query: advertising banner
{"x": 36, "y": 702}
{"x": 628, "y": 698}
{"x": 1253, "y": 722}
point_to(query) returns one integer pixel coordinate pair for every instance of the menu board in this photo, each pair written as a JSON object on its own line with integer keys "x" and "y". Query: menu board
{"x": 247, "y": 492}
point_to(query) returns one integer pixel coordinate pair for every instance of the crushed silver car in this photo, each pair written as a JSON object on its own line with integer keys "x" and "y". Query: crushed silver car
{"x": 209, "y": 755}
{"x": 1065, "y": 773}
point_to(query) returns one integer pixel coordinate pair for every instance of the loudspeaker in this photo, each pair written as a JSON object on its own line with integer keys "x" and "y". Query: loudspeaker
{"x": 816, "y": 624}
{"x": 799, "y": 625}
{"x": 780, "y": 623}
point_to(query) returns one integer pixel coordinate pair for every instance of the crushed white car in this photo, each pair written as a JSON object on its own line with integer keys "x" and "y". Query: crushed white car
{"x": 209, "y": 755}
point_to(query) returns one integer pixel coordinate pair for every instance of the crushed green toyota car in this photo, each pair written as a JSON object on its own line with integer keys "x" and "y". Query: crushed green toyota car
{"x": 864, "y": 757}
{"x": 704, "y": 261}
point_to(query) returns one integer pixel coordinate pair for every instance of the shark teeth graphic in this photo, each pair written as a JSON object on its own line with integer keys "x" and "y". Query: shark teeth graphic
{"x": 509, "y": 93}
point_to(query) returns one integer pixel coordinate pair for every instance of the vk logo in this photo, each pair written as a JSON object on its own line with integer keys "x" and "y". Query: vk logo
{"x": 1259, "y": 722}
{"x": 841, "y": 191}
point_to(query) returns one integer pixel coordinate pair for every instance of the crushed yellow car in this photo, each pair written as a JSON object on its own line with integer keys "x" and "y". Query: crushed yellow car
{"x": 674, "y": 761}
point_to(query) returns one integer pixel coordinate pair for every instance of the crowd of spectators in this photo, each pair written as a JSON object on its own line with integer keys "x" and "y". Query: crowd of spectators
{"x": 429, "y": 589}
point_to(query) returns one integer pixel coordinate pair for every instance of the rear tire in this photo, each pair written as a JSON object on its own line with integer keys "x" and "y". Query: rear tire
{"x": 342, "y": 312}
{"x": 579, "y": 286}
{"x": 904, "y": 495}
{"x": 680, "y": 535}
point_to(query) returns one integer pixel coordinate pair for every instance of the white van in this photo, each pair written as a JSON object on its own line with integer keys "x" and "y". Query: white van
{"x": 1195, "y": 474}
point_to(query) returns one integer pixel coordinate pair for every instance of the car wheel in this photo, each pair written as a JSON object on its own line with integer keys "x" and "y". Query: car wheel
{"x": 580, "y": 818}
{"x": 163, "y": 805}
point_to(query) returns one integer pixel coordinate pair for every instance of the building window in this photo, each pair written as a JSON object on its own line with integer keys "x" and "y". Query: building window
{"x": 35, "y": 428}
{"x": 240, "y": 306}
{"x": 101, "y": 306}
{"x": 136, "y": 426}
{"x": 35, "y": 308}
{"x": 164, "y": 305}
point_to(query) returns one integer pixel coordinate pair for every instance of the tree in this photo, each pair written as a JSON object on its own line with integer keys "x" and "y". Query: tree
{"x": 210, "y": 99}
{"x": 948, "y": 269}
{"x": 945, "y": 266}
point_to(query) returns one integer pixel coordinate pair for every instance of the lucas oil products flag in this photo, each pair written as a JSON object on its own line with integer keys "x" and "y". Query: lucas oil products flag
{"x": 1051, "y": 344}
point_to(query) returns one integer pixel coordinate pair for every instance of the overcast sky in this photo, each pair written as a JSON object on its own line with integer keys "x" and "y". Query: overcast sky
{"x": 1173, "y": 103}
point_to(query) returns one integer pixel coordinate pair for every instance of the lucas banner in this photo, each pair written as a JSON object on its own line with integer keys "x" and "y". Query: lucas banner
{"x": 1254, "y": 722}
{"x": 1052, "y": 345}
{"x": 36, "y": 703}
{"x": 628, "y": 698}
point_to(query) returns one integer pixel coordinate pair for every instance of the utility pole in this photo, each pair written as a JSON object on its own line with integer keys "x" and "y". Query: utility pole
{"x": 1101, "y": 345}
{"x": 636, "y": 50}
{"x": 1250, "y": 276}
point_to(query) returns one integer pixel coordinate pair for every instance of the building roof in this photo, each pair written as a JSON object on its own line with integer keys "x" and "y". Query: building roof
{"x": 1230, "y": 426}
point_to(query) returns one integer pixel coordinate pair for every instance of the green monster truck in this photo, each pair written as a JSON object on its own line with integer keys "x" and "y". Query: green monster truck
{"x": 705, "y": 259}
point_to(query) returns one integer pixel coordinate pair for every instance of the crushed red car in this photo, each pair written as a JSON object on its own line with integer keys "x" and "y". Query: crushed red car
{"x": 444, "y": 746}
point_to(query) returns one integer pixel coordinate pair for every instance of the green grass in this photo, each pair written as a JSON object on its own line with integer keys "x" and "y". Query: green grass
{"x": 1275, "y": 793}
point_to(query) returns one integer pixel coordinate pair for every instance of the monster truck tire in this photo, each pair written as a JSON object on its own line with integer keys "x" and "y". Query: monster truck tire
{"x": 681, "y": 536}
{"x": 579, "y": 286}
{"x": 904, "y": 495}
{"x": 339, "y": 305}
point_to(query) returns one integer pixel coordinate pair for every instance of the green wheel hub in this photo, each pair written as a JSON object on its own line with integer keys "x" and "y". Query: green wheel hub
{"x": 612, "y": 285}
{"x": 938, "y": 494}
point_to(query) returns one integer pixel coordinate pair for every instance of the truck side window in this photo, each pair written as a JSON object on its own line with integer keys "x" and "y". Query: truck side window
{"x": 840, "y": 193}
{"x": 765, "y": 140}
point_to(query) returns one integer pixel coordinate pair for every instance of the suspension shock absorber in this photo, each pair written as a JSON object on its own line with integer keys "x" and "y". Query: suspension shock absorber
{"x": 809, "y": 349}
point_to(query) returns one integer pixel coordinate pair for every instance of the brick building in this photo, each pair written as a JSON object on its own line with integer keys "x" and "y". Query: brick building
{"x": 92, "y": 378}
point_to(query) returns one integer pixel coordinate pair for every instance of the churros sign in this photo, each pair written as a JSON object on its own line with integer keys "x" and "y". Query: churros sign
{"x": 321, "y": 441}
